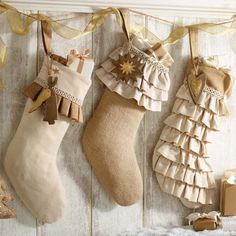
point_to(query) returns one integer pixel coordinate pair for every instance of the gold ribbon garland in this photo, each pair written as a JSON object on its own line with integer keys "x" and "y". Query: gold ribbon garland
{"x": 181, "y": 31}
{"x": 212, "y": 28}
{"x": 20, "y": 24}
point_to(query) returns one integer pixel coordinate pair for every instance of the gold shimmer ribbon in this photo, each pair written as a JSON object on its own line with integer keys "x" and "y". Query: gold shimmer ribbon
{"x": 181, "y": 31}
{"x": 212, "y": 28}
{"x": 20, "y": 24}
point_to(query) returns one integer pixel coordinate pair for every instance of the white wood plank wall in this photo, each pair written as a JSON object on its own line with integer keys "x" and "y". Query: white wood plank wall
{"x": 89, "y": 209}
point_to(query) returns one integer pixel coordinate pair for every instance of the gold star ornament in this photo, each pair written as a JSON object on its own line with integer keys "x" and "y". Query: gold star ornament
{"x": 55, "y": 71}
{"x": 127, "y": 68}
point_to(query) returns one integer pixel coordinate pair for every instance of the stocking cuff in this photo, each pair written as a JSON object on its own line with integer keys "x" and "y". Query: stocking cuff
{"x": 149, "y": 87}
{"x": 70, "y": 89}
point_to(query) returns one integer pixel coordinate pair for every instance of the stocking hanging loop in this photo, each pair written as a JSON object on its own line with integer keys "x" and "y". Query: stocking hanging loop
{"x": 196, "y": 80}
{"x": 47, "y": 37}
{"x": 125, "y": 15}
{"x": 46, "y": 30}
{"x": 193, "y": 43}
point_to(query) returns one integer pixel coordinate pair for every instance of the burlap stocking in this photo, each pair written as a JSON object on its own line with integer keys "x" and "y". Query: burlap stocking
{"x": 109, "y": 137}
{"x": 109, "y": 145}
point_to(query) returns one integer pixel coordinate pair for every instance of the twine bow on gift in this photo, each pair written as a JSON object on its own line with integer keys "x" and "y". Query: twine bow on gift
{"x": 75, "y": 55}
{"x": 214, "y": 215}
{"x": 230, "y": 176}
{"x": 227, "y": 192}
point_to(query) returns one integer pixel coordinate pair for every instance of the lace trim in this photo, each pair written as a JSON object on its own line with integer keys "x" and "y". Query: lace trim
{"x": 209, "y": 90}
{"x": 213, "y": 92}
{"x": 145, "y": 58}
{"x": 58, "y": 91}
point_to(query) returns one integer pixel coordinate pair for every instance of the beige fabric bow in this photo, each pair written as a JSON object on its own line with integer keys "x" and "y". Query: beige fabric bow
{"x": 74, "y": 55}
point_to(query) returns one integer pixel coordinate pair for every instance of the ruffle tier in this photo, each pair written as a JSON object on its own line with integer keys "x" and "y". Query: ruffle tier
{"x": 192, "y": 128}
{"x": 183, "y": 140}
{"x": 180, "y": 157}
{"x": 196, "y": 113}
{"x": 185, "y": 174}
{"x": 149, "y": 89}
{"x": 183, "y": 190}
{"x": 209, "y": 102}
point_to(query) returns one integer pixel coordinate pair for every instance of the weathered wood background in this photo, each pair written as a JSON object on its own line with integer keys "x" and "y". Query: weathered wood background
{"x": 89, "y": 209}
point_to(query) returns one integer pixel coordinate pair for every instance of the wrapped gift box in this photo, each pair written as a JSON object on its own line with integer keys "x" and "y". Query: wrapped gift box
{"x": 80, "y": 63}
{"x": 228, "y": 193}
{"x": 204, "y": 224}
{"x": 204, "y": 221}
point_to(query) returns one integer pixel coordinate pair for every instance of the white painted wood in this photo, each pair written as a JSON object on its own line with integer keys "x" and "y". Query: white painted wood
{"x": 89, "y": 210}
{"x": 107, "y": 217}
{"x": 161, "y": 208}
{"x": 157, "y": 202}
{"x": 207, "y": 8}
{"x": 19, "y": 70}
{"x": 73, "y": 167}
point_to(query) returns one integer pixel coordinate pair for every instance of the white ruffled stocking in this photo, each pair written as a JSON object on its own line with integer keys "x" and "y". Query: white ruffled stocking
{"x": 180, "y": 158}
